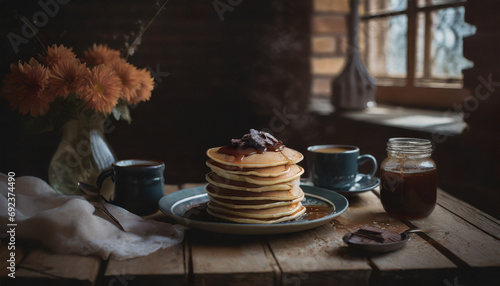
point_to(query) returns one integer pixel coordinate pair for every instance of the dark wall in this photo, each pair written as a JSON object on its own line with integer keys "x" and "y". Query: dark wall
{"x": 482, "y": 105}
{"x": 224, "y": 77}
{"x": 250, "y": 70}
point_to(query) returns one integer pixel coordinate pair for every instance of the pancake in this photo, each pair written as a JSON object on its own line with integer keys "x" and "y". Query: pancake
{"x": 284, "y": 195}
{"x": 254, "y": 180}
{"x": 270, "y": 213}
{"x": 252, "y": 204}
{"x": 221, "y": 182}
{"x": 266, "y": 159}
{"x": 240, "y": 219}
{"x": 295, "y": 172}
{"x": 275, "y": 171}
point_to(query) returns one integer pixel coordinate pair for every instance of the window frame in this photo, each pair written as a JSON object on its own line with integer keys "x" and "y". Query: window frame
{"x": 409, "y": 93}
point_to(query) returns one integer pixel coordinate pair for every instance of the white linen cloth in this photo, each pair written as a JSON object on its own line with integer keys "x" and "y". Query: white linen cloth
{"x": 66, "y": 224}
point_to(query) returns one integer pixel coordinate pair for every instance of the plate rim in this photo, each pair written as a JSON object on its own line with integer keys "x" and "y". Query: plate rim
{"x": 278, "y": 228}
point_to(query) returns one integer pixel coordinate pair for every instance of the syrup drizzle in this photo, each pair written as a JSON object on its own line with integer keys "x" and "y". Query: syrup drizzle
{"x": 315, "y": 212}
{"x": 240, "y": 152}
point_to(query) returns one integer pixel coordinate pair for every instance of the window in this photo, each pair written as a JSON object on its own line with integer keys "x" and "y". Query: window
{"x": 414, "y": 49}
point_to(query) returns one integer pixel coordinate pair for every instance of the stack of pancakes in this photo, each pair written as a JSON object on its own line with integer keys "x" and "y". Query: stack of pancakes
{"x": 257, "y": 188}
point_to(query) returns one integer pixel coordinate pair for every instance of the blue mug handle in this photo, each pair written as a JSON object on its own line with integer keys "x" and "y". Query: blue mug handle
{"x": 363, "y": 158}
{"x": 103, "y": 176}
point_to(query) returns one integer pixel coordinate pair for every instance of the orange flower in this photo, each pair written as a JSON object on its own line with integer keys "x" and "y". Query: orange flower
{"x": 67, "y": 76}
{"x": 146, "y": 86}
{"x": 129, "y": 76}
{"x": 103, "y": 88}
{"x": 56, "y": 54}
{"x": 25, "y": 88}
{"x": 101, "y": 54}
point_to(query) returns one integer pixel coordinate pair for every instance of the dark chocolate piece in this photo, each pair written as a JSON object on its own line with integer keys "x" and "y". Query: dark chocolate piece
{"x": 371, "y": 235}
{"x": 256, "y": 139}
{"x": 255, "y": 142}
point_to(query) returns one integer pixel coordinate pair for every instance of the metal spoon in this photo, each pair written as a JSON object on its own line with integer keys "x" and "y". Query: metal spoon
{"x": 385, "y": 246}
{"x": 93, "y": 196}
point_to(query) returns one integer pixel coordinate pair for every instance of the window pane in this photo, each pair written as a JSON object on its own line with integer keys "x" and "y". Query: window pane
{"x": 362, "y": 39}
{"x": 375, "y": 6}
{"x": 436, "y": 2}
{"x": 419, "y": 68}
{"x": 448, "y": 30}
{"x": 386, "y": 40}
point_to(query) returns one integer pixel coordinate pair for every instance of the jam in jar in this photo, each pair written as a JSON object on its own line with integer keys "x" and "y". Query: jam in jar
{"x": 408, "y": 178}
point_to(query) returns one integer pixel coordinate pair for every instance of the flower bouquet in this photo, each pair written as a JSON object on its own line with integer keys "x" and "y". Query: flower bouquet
{"x": 100, "y": 82}
{"x": 61, "y": 88}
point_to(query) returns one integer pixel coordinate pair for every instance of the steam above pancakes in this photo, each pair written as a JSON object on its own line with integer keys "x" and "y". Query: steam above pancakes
{"x": 255, "y": 180}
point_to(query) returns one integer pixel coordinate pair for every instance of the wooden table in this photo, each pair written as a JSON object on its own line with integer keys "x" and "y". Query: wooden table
{"x": 469, "y": 254}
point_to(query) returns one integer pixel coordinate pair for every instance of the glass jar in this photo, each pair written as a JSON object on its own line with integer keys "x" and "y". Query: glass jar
{"x": 408, "y": 178}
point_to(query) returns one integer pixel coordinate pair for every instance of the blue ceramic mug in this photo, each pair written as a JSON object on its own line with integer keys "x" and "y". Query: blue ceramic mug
{"x": 138, "y": 185}
{"x": 336, "y": 166}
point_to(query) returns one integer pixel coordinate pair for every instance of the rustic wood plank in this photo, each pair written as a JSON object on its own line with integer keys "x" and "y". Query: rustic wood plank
{"x": 170, "y": 189}
{"x": 463, "y": 239}
{"x": 418, "y": 263}
{"x": 319, "y": 256}
{"x": 476, "y": 252}
{"x": 230, "y": 260}
{"x": 478, "y": 260}
{"x": 322, "y": 258}
{"x": 469, "y": 213}
{"x": 43, "y": 267}
{"x": 274, "y": 264}
{"x": 191, "y": 185}
{"x": 165, "y": 266}
{"x": 187, "y": 261}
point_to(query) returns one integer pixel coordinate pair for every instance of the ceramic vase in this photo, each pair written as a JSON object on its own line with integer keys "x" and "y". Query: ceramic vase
{"x": 81, "y": 156}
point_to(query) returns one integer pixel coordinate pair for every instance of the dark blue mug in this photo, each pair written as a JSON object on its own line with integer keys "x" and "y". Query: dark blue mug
{"x": 138, "y": 185}
{"x": 336, "y": 166}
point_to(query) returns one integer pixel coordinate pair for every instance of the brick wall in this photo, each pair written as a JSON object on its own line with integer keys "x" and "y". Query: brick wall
{"x": 328, "y": 42}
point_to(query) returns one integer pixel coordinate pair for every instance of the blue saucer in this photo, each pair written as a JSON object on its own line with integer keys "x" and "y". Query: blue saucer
{"x": 363, "y": 183}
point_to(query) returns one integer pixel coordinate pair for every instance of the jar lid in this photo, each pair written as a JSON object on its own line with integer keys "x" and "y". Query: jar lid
{"x": 415, "y": 146}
